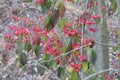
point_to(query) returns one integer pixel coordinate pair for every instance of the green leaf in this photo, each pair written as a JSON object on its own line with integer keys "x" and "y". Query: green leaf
{"x": 22, "y": 59}
{"x": 53, "y": 64}
{"x": 45, "y": 57}
{"x": 61, "y": 73}
{"x": 51, "y": 19}
{"x": 69, "y": 47}
{"x": 28, "y": 46}
{"x": 55, "y": 16}
{"x": 38, "y": 40}
{"x": 27, "y": 1}
{"x": 97, "y": 21}
{"x": 36, "y": 50}
{"x": 118, "y": 32}
{"x": 115, "y": 48}
{"x": 40, "y": 69}
{"x": 114, "y": 5}
{"x": 74, "y": 76}
{"x": 44, "y": 8}
{"x": 47, "y": 20}
{"x": 84, "y": 66}
{"x": 62, "y": 9}
{"x": 61, "y": 23}
{"x": 91, "y": 56}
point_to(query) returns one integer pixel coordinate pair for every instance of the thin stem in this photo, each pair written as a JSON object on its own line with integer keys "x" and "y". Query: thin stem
{"x": 113, "y": 23}
{"x": 64, "y": 54}
{"x": 53, "y": 75}
{"x": 107, "y": 44}
{"x": 29, "y": 9}
{"x": 82, "y": 39}
{"x": 88, "y": 78}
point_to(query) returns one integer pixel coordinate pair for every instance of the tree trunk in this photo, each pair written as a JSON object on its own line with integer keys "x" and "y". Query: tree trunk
{"x": 102, "y": 36}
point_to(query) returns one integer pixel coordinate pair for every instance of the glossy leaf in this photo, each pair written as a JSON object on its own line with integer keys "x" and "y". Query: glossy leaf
{"x": 84, "y": 66}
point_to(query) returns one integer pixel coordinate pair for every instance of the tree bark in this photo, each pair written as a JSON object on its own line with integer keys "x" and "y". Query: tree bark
{"x": 102, "y": 50}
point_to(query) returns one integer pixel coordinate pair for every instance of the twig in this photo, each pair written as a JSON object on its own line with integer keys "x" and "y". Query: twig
{"x": 88, "y": 78}
{"x": 107, "y": 44}
{"x": 11, "y": 61}
{"x": 63, "y": 54}
{"x": 49, "y": 72}
{"x": 114, "y": 23}
{"x": 29, "y": 9}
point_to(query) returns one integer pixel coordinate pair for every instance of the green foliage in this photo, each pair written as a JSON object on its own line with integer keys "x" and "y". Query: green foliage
{"x": 38, "y": 40}
{"x": 36, "y": 50}
{"x": 47, "y": 6}
{"x": 53, "y": 64}
{"x": 44, "y": 58}
{"x": 113, "y": 5}
{"x": 28, "y": 46}
{"x": 91, "y": 56}
{"x": 22, "y": 59}
{"x": 89, "y": 72}
{"x": 84, "y": 66}
{"x": 61, "y": 9}
{"x": 115, "y": 48}
{"x": 61, "y": 73}
{"x": 51, "y": 20}
{"x": 27, "y": 1}
{"x": 69, "y": 47}
{"x": 61, "y": 23}
{"x": 40, "y": 69}
{"x": 74, "y": 76}
{"x": 118, "y": 32}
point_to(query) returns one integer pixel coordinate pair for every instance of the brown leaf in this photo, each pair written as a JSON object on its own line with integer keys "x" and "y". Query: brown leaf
{"x": 61, "y": 9}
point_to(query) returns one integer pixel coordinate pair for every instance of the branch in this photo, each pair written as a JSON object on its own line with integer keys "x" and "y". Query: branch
{"x": 88, "y": 78}
{"x": 113, "y": 23}
{"x": 64, "y": 54}
{"x": 107, "y": 44}
{"x": 29, "y": 9}
{"x": 53, "y": 75}
{"x": 10, "y": 62}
